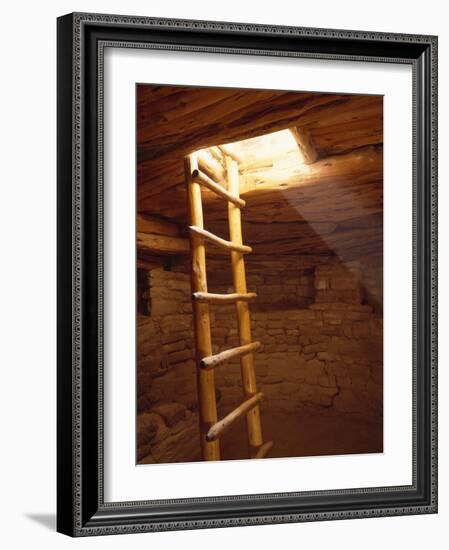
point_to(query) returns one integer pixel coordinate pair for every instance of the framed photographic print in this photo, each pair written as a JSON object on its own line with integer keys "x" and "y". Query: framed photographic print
{"x": 246, "y": 274}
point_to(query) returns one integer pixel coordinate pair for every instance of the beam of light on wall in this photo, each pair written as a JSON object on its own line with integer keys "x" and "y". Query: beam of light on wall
{"x": 275, "y": 162}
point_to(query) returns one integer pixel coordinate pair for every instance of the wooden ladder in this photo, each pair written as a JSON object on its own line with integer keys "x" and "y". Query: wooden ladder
{"x": 211, "y": 429}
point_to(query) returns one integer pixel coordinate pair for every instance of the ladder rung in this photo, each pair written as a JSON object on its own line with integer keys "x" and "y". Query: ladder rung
{"x": 206, "y": 181}
{"x": 263, "y": 450}
{"x": 223, "y": 298}
{"x": 220, "y": 427}
{"x": 213, "y": 361}
{"x": 219, "y": 241}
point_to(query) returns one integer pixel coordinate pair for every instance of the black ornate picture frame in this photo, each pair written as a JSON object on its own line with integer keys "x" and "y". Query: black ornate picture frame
{"x": 81, "y": 509}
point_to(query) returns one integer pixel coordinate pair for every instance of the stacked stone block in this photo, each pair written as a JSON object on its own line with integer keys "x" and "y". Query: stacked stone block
{"x": 321, "y": 346}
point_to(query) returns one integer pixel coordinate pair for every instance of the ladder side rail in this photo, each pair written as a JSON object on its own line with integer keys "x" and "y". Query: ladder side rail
{"x": 207, "y": 404}
{"x": 254, "y": 428}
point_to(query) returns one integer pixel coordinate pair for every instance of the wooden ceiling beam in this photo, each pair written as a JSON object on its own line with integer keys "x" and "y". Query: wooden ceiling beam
{"x": 162, "y": 245}
{"x": 323, "y": 203}
{"x": 156, "y": 225}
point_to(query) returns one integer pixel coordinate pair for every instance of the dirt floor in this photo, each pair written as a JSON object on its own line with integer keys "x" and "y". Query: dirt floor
{"x": 308, "y": 433}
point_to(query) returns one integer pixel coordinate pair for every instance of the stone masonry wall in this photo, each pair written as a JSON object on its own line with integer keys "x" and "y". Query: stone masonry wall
{"x": 167, "y": 422}
{"x": 320, "y": 346}
{"x": 328, "y": 354}
{"x": 372, "y": 282}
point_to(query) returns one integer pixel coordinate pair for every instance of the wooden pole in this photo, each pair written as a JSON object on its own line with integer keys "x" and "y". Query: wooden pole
{"x": 253, "y": 423}
{"x": 228, "y": 354}
{"x": 222, "y": 426}
{"x": 204, "y": 180}
{"x": 157, "y": 226}
{"x": 215, "y": 239}
{"x": 207, "y": 163}
{"x": 205, "y": 378}
{"x": 216, "y": 153}
{"x": 212, "y": 298}
{"x": 160, "y": 244}
{"x": 228, "y": 152}
{"x": 264, "y": 450}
